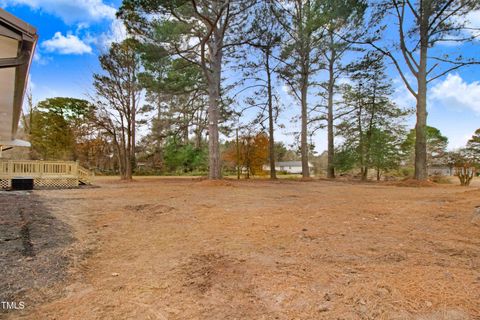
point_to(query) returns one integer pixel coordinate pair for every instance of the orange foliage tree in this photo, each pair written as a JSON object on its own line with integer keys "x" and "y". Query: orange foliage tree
{"x": 250, "y": 154}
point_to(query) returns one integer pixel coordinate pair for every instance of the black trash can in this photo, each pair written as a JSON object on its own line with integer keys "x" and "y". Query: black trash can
{"x": 22, "y": 183}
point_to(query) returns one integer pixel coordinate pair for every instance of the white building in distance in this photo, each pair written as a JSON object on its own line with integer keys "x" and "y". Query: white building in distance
{"x": 293, "y": 167}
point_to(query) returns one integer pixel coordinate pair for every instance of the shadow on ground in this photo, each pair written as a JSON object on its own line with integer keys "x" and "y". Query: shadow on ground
{"x": 33, "y": 249}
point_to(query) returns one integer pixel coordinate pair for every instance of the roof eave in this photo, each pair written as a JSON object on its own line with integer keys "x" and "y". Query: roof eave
{"x": 21, "y": 31}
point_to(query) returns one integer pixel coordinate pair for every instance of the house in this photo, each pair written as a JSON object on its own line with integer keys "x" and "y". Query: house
{"x": 440, "y": 171}
{"x": 17, "y": 45}
{"x": 294, "y": 167}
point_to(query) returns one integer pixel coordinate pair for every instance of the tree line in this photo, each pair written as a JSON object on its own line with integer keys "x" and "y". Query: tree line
{"x": 191, "y": 70}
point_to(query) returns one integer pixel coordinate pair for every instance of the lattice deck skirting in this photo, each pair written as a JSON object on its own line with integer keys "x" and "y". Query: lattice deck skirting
{"x": 55, "y": 183}
{"x": 45, "y": 183}
{"x": 5, "y": 184}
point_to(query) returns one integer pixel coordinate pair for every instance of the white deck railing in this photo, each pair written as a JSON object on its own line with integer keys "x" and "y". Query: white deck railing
{"x": 43, "y": 169}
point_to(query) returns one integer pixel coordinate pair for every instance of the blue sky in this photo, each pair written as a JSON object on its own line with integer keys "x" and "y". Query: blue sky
{"x": 74, "y": 33}
{"x": 71, "y": 35}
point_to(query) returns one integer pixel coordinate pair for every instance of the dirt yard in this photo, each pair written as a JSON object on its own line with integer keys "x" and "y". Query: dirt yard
{"x": 34, "y": 249}
{"x": 191, "y": 249}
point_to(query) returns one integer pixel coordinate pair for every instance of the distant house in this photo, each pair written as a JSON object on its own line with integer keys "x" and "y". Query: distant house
{"x": 440, "y": 171}
{"x": 294, "y": 167}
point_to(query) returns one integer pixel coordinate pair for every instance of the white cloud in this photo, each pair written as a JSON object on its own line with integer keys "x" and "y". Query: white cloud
{"x": 454, "y": 92}
{"x": 39, "y": 58}
{"x": 115, "y": 33}
{"x": 473, "y": 21}
{"x": 69, "y": 44}
{"x": 31, "y": 85}
{"x": 70, "y": 11}
{"x": 344, "y": 81}
{"x": 401, "y": 96}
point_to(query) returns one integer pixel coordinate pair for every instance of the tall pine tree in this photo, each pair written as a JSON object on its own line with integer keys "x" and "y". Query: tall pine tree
{"x": 200, "y": 32}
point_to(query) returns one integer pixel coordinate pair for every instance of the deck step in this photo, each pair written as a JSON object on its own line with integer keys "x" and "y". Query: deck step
{"x": 84, "y": 182}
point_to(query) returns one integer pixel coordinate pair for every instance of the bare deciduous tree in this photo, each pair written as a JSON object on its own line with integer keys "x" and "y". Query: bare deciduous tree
{"x": 117, "y": 99}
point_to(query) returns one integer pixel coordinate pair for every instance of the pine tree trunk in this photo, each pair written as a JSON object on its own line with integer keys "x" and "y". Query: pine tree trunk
{"x": 420, "y": 127}
{"x": 368, "y": 143}
{"x": 214, "y": 110}
{"x": 365, "y": 173}
{"x": 123, "y": 147}
{"x": 198, "y": 137}
{"x": 331, "y": 143}
{"x": 330, "y": 133}
{"x": 273, "y": 173}
{"x": 421, "y": 137}
{"x": 128, "y": 148}
{"x": 132, "y": 159}
{"x": 304, "y": 82}
{"x": 123, "y": 167}
{"x": 185, "y": 129}
{"x": 303, "y": 140}
{"x": 119, "y": 155}
{"x": 213, "y": 143}
{"x": 128, "y": 154}
{"x": 361, "y": 142}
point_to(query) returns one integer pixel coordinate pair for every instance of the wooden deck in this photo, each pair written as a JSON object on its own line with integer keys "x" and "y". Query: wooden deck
{"x": 46, "y": 174}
